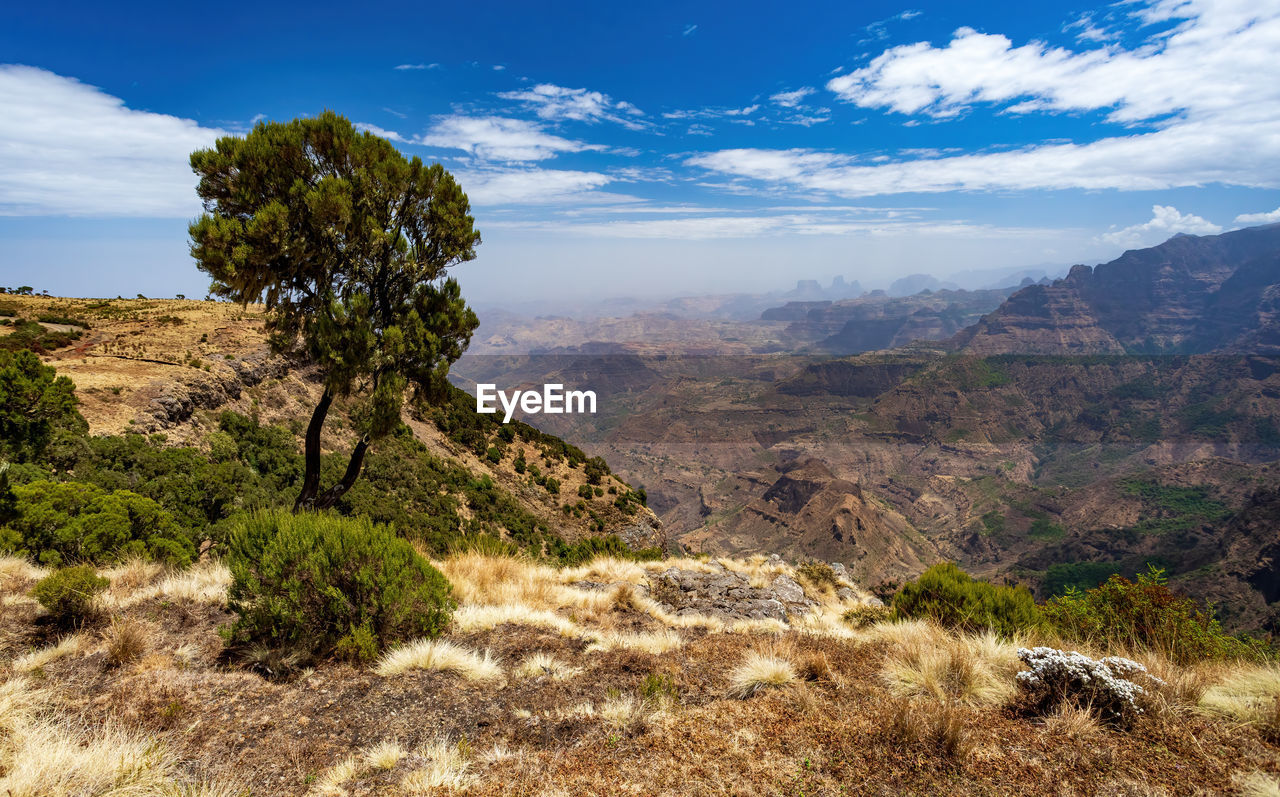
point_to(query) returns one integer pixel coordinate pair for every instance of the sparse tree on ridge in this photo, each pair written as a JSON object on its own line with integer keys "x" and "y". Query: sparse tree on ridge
{"x": 348, "y": 243}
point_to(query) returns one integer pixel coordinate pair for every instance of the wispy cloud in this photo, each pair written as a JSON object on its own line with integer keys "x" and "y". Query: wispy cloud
{"x": 792, "y": 99}
{"x": 410, "y": 67}
{"x": 1165, "y": 222}
{"x": 534, "y": 186}
{"x": 557, "y": 103}
{"x": 499, "y": 138}
{"x": 879, "y": 30}
{"x": 688, "y": 30}
{"x": 67, "y": 148}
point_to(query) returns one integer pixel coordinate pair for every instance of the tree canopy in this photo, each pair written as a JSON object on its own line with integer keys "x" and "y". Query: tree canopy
{"x": 348, "y": 243}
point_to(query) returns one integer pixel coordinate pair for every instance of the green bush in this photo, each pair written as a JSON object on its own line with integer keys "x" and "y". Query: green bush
{"x": 317, "y": 584}
{"x": 949, "y": 596}
{"x": 35, "y": 403}
{"x": 72, "y": 521}
{"x": 1146, "y": 614}
{"x": 70, "y": 594}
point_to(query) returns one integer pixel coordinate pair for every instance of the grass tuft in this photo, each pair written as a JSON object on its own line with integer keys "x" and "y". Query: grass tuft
{"x": 442, "y": 656}
{"x": 760, "y": 671}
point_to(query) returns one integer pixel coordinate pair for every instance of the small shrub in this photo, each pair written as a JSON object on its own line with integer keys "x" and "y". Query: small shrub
{"x": 311, "y": 581}
{"x": 818, "y": 574}
{"x": 865, "y": 614}
{"x": 1104, "y": 686}
{"x": 1146, "y": 614}
{"x": 949, "y": 596}
{"x": 70, "y": 594}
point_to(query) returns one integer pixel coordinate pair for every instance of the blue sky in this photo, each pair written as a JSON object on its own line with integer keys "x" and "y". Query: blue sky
{"x": 614, "y": 149}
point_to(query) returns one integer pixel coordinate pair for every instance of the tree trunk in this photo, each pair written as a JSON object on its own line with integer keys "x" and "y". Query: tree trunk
{"x": 311, "y": 477}
{"x": 331, "y": 496}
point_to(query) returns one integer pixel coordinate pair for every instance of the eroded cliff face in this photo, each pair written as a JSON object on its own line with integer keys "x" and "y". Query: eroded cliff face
{"x": 809, "y": 511}
{"x": 1191, "y": 294}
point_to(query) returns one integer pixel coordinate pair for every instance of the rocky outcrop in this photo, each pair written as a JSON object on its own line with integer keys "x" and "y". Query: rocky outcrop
{"x": 728, "y": 595}
{"x": 172, "y": 402}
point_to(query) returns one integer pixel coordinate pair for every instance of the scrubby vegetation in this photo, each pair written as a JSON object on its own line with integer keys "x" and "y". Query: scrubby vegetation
{"x": 1146, "y": 615}
{"x": 947, "y": 595}
{"x": 314, "y": 584}
{"x": 70, "y": 594}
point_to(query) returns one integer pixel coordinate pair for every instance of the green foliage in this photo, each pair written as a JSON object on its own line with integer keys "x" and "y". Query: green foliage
{"x": 585, "y": 491}
{"x": 73, "y": 521}
{"x": 31, "y": 336}
{"x": 349, "y": 243}
{"x": 993, "y": 522}
{"x": 1146, "y": 614}
{"x": 1061, "y": 577}
{"x": 1173, "y": 508}
{"x": 35, "y": 404}
{"x": 319, "y": 584}
{"x": 58, "y": 318}
{"x": 70, "y": 593}
{"x": 588, "y": 548}
{"x": 865, "y": 615}
{"x": 1044, "y": 529}
{"x": 596, "y": 469}
{"x": 949, "y": 596}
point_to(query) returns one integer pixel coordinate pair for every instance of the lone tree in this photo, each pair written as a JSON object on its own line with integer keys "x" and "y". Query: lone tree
{"x": 348, "y": 243}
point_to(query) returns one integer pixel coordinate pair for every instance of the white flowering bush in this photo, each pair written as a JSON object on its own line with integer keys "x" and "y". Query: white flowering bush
{"x": 1106, "y": 686}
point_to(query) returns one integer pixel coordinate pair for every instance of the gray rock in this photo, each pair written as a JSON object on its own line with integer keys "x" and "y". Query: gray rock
{"x": 845, "y": 594}
{"x": 787, "y": 590}
{"x": 841, "y": 571}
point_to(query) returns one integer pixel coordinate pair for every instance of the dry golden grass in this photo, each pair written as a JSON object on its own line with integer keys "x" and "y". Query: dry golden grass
{"x": 927, "y": 661}
{"x": 384, "y": 755}
{"x": 1257, "y": 784}
{"x": 67, "y": 646}
{"x": 447, "y": 767}
{"x": 43, "y": 757}
{"x": 1247, "y": 694}
{"x": 487, "y": 617}
{"x": 646, "y": 641}
{"x": 16, "y": 572}
{"x": 1072, "y": 722}
{"x": 126, "y": 640}
{"x": 440, "y": 655}
{"x": 206, "y": 581}
{"x": 606, "y": 570}
{"x": 545, "y": 665}
{"x": 760, "y": 670}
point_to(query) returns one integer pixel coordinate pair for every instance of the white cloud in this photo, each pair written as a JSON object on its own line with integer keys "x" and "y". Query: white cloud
{"x": 531, "y": 186}
{"x": 414, "y": 67}
{"x": 1166, "y": 221}
{"x": 791, "y": 99}
{"x": 389, "y": 135}
{"x": 1215, "y": 62}
{"x": 67, "y": 148}
{"x": 688, "y": 30}
{"x": 1205, "y": 91}
{"x": 499, "y": 138}
{"x": 1259, "y": 218}
{"x": 557, "y": 103}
